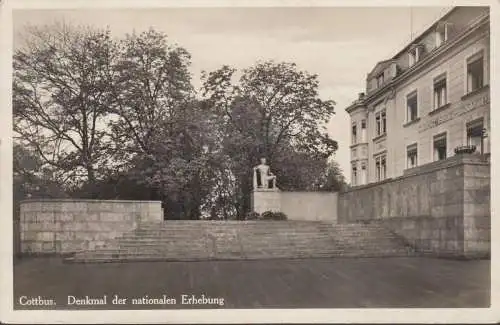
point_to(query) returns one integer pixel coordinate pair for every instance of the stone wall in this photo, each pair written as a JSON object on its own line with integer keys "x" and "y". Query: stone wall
{"x": 477, "y": 213}
{"x": 310, "y": 205}
{"x": 65, "y": 226}
{"x": 266, "y": 200}
{"x": 441, "y": 208}
{"x": 297, "y": 205}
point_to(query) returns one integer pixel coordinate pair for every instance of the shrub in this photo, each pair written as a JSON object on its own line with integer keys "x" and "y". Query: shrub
{"x": 267, "y": 215}
{"x": 252, "y": 216}
{"x": 270, "y": 215}
{"x": 280, "y": 216}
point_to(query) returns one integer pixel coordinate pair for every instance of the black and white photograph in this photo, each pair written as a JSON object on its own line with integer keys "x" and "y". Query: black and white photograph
{"x": 214, "y": 157}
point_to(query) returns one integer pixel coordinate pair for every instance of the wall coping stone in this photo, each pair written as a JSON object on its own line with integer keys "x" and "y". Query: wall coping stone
{"x": 454, "y": 161}
{"x": 457, "y": 160}
{"x": 309, "y": 192}
{"x": 85, "y": 201}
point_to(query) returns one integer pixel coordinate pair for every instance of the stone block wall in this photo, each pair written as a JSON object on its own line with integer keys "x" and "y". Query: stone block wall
{"x": 441, "y": 208}
{"x": 310, "y": 205}
{"x": 65, "y": 226}
{"x": 297, "y": 205}
{"x": 477, "y": 215}
{"x": 265, "y": 200}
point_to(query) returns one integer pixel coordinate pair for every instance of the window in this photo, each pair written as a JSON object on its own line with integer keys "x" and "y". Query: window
{"x": 380, "y": 167}
{"x": 354, "y": 134}
{"x": 440, "y": 93}
{"x": 380, "y": 80}
{"x": 441, "y": 34}
{"x": 411, "y": 155}
{"x": 354, "y": 175}
{"x": 411, "y": 107}
{"x": 377, "y": 122}
{"x": 475, "y": 131}
{"x": 354, "y": 153}
{"x": 363, "y": 173}
{"x": 380, "y": 121}
{"x": 440, "y": 147}
{"x": 384, "y": 130}
{"x": 363, "y": 130}
{"x": 475, "y": 73}
{"x": 412, "y": 59}
{"x": 414, "y": 55}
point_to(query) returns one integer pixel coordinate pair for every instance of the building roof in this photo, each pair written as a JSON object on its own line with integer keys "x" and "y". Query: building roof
{"x": 424, "y": 33}
{"x": 412, "y": 42}
{"x": 380, "y": 66}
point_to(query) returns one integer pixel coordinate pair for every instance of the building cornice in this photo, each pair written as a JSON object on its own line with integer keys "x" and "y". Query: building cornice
{"x": 357, "y": 104}
{"x": 359, "y": 144}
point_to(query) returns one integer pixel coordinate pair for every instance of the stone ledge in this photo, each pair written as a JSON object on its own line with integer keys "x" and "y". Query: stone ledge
{"x": 474, "y": 92}
{"x": 414, "y": 121}
{"x": 455, "y": 161}
{"x": 87, "y": 200}
{"x": 440, "y": 109}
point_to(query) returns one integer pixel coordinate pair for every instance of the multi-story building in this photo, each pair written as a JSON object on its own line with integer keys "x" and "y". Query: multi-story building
{"x": 425, "y": 101}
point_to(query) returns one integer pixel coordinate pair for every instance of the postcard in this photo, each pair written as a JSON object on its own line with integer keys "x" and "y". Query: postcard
{"x": 248, "y": 162}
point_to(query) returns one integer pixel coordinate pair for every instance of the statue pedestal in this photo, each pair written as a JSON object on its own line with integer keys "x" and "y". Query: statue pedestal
{"x": 266, "y": 200}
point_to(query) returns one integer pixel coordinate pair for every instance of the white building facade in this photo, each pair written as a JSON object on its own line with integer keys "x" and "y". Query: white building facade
{"x": 429, "y": 99}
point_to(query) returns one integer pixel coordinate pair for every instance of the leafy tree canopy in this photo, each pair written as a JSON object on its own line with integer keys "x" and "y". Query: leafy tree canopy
{"x": 100, "y": 117}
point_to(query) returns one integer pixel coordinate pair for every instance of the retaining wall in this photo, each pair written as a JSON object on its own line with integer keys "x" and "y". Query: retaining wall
{"x": 441, "y": 208}
{"x": 64, "y": 226}
{"x": 310, "y": 205}
{"x": 297, "y": 205}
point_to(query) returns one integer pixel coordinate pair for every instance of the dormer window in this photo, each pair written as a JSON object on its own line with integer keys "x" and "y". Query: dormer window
{"x": 380, "y": 80}
{"x": 414, "y": 54}
{"x": 441, "y": 33}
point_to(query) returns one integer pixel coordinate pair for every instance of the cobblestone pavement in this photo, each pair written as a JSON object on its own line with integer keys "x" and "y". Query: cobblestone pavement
{"x": 308, "y": 283}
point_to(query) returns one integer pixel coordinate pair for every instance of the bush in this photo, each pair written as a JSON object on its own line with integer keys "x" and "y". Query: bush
{"x": 252, "y": 216}
{"x": 270, "y": 215}
{"x": 267, "y": 215}
{"x": 280, "y": 216}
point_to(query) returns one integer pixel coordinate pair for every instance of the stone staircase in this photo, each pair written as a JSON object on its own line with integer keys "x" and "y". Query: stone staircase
{"x": 230, "y": 240}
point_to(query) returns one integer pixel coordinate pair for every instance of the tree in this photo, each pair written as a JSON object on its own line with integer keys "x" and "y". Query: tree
{"x": 151, "y": 86}
{"x": 61, "y": 97}
{"x": 98, "y": 115}
{"x": 100, "y": 112}
{"x": 282, "y": 102}
{"x": 30, "y": 179}
{"x": 159, "y": 129}
{"x": 273, "y": 111}
{"x": 332, "y": 179}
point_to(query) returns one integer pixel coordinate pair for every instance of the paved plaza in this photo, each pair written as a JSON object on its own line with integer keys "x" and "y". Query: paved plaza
{"x": 307, "y": 283}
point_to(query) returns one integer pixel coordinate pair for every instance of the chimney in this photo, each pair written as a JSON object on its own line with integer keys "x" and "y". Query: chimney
{"x": 361, "y": 95}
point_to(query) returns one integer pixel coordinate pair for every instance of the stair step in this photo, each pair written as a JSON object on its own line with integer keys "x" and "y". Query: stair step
{"x": 198, "y": 240}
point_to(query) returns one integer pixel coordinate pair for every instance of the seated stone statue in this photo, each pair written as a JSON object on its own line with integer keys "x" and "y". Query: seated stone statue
{"x": 263, "y": 177}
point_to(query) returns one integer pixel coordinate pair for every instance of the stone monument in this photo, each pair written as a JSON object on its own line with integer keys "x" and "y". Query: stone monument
{"x": 263, "y": 178}
{"x": 265, "y": 195}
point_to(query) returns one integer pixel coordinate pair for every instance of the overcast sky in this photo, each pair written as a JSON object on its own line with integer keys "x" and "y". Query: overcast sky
{"x": 340, "y": 44}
